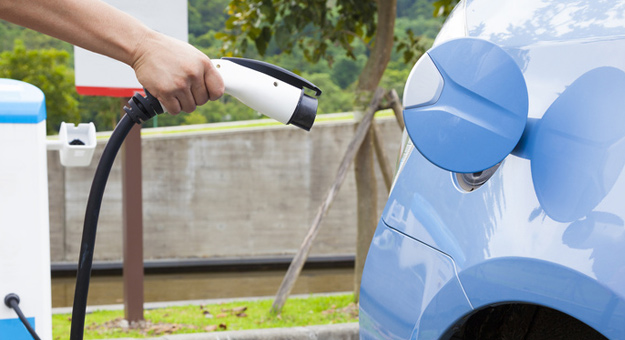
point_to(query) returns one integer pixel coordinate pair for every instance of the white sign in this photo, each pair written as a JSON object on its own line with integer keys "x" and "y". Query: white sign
{"x": 98, "y": 75}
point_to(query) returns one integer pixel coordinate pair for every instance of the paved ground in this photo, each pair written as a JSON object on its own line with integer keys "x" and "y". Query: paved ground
{"x": 346, "y": 331}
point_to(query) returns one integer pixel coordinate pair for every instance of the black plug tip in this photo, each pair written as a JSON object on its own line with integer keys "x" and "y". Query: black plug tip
{"x": 305, "y": 112}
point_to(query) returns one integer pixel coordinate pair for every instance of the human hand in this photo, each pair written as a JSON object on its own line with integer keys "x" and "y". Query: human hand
{"x": 176, "y": 73}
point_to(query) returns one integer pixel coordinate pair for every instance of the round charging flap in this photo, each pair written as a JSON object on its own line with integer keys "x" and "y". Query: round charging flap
{"x": 465, "y": 105}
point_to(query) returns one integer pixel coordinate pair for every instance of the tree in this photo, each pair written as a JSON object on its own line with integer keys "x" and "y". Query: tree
{"x": 32, "y": 40}
{"x": 345, "y": 71}
{"x": 104, "y": 112}
{"x": 313, "y": 26}
{"x": 48, "y": 70}
{"x": 205, "y": 16}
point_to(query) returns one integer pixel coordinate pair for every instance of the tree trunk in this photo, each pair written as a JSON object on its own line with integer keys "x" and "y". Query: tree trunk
{"x": 367, "y": 207}
{"x": 395, "y": 103}
{"x": 302, "y": 254}
{"x": 379, "y": 55}
{"x": 385, "y": 166}
{"x": 363, "y": 163}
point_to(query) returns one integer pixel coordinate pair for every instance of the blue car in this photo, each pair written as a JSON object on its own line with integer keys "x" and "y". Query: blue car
{"x": 506, "y": 219}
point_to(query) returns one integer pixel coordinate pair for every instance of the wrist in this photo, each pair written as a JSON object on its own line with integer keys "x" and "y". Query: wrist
{"x": 144, "y": 43}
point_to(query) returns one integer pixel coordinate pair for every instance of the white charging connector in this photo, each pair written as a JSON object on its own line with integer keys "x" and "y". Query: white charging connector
{"x": 264, "y": 93}
{"x": 270, "y": 90}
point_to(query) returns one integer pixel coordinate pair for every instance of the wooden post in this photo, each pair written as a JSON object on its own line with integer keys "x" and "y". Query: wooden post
{"x": 395, "y": 103}
{"x": 385, "y": 167}
{"x": 367, "y": 212}
{"x": 302, "y": 254}
{"x": 132, "y": 210}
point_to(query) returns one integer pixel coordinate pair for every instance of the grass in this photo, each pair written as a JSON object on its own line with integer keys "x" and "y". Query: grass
{"x": 239, "y": 315}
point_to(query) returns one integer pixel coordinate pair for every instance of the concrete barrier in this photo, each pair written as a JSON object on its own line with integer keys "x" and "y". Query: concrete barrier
{"x": 233, "y": 193}
{"x": 346, "y": 331}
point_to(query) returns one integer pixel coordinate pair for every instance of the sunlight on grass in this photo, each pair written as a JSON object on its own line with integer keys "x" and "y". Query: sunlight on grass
{"x": 239, "y": 315}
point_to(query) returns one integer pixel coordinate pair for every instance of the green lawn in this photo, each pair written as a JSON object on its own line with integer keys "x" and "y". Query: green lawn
{"x": 239, "y": 315}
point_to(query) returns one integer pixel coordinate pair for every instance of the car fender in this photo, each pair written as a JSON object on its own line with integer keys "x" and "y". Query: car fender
{"x": 539, "y": 282}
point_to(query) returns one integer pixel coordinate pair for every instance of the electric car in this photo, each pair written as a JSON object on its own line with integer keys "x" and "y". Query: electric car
{"x": 506, "y": 219}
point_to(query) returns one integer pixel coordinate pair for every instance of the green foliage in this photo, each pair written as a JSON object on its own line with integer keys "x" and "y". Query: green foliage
{"x": 415, "y": 30}
{"x": 410, "y": 46}
{"x": 30, "y": 39}
{"x": 194, "y": 117}
{"x": 333, "y": 99}
{"x": 345, "y": 71}
{"x": 309, "y": 25}
{"x": 442, "y": 8}
{"x": 426, "y": 27}
{"x": 48, "y": 70}
{"x": 412, "y": 9}
{"x": 205, "y": 16}
{"x": 104, "y": 112}
{"x": 206, "y": 41}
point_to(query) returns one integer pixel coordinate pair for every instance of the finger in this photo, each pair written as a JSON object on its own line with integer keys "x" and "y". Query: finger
{"x": 171, "y": 105}
{"x": 214, "y": 83}
{"x": 187, "y": 102}
{"x": 200, "y": 93}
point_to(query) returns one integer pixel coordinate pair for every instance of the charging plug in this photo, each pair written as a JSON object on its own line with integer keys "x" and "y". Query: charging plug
{"x": 141, "y": 109}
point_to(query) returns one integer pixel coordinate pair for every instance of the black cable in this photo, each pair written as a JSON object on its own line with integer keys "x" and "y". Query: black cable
{"x": 12, "y": 301}
{"x": 83, "y": 276}
{"x": 139, "y": 110}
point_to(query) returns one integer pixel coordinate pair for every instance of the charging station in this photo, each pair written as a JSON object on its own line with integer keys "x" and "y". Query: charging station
{"x": 24, "y": 222}
{"x": 24, "y": 217}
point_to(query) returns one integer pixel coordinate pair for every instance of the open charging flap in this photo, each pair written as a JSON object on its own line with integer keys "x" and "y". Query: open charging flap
{"x": 465, "y": 105}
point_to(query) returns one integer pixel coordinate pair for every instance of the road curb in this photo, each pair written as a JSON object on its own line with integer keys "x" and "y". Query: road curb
{"x": 344, "y": 331}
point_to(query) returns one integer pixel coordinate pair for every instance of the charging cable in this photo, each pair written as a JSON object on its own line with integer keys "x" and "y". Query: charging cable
{"x": 139, "y": 110}
{"x": 12, "y": 301}
{"x": 266, "y": 88}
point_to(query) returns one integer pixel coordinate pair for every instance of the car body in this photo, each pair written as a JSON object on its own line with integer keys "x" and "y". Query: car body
{"x": 538, "y": 238}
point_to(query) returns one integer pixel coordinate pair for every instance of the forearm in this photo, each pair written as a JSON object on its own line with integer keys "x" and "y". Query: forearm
{"x": 91, "y": 24}
{"x": 178, "y": 74}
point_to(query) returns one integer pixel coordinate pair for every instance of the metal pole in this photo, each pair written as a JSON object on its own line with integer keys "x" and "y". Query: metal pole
{"x": 132, "y": 210}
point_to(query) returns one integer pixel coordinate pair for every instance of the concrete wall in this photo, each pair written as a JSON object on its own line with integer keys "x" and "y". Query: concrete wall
{"x": 237, "y": 193}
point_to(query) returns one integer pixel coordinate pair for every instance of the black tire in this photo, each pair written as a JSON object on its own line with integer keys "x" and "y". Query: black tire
{"x": 523, "y": 322}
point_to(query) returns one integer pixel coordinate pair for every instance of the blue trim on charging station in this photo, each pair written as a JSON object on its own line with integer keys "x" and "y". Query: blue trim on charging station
{"x": 14, "y": 329}
{"x": 21, "y": 103}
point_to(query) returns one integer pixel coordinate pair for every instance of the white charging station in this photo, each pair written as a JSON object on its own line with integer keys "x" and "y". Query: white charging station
{"x": 24, "y": 221}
